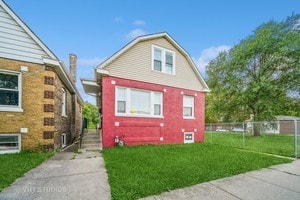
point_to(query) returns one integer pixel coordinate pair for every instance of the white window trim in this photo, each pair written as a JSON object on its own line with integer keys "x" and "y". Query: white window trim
{"x": 193, "y": 108}
{"x": 64, "y": 103}
{"x": 63, "y": 140}
{"x": 7, "y": 108}
{"x": 13, "y": 150}
{"x": 128, "y": 114}
{"x": 163, "y": 67}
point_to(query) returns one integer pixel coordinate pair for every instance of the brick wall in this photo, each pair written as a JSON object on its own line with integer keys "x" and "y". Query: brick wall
{"x": 41, "y": 104}
{"x": 62, "y": 123}
{"x": 141, "y": 130}
{"x": 33, "y": 101}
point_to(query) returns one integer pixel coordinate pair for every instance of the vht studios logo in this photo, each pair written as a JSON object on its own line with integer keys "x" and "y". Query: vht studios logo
{"x": 44, "y": 189}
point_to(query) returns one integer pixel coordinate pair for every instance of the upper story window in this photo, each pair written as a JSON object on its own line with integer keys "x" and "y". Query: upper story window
{"x": 188, "y": 107}
{"x": 10, "y": 91}
{"x": 163, "y": 60}
{"x": 134, "y": 102}
{"x": 157, "y": 62}
{"x": 64, "y": 103}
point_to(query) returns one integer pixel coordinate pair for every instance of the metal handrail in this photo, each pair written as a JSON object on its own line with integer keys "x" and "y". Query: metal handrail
{"x": 84, "y": 126}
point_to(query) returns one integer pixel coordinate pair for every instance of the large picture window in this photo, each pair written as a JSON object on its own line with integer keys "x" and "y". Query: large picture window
{"x": 10, "y": 91}
{"x": 163, "y": 60}
{"x": 135, "y": 102}
{"x": 188, "y": 106}
{"x": 140, "y": 102}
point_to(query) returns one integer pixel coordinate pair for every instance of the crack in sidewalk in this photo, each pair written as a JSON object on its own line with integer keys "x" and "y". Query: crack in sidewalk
{"x": 60, "y": 176}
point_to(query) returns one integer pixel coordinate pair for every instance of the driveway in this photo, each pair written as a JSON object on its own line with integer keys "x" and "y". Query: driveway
{"x": 64, "y": 176}
{"x": 274, "y": 183}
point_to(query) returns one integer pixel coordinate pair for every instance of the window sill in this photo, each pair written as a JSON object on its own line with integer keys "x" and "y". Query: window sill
{"x": 9, "y": 151}
{"x": 188, "y": 117}
{"x": 140, "y": 116}
{"x": 173, "y": 74}
{"x": 9, "y": 109}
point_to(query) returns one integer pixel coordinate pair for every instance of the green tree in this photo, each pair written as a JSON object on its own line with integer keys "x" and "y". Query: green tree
{"x": 258, "y": 75}
{"x": 90, "y": 112}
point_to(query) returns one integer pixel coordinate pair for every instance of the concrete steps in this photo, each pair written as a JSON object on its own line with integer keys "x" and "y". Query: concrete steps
{"x": 90, "y": 137}
{"x": 91, "y": 141}
{"x": 90, "y": 145}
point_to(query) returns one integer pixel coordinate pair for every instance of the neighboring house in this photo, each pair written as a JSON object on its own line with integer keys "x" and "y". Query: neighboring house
{"x": 281, "y": 125}
{"x": 149, "y": 92}
{"x": 287, "y": 124}
{"x": 40, "y": 107}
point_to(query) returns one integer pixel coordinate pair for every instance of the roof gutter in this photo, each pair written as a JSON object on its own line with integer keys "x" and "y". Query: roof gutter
{"x": 90, "y": 86}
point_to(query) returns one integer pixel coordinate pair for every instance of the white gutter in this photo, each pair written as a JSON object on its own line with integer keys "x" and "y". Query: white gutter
{"x": 102, "y": 71}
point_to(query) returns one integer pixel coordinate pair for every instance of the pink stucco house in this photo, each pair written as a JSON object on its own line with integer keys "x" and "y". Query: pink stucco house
{"x": 149, "y": 92}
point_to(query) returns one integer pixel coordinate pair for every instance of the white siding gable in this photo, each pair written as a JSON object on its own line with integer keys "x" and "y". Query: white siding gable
{"x": 17, "y": 41}
{"x": 136, "y": 64}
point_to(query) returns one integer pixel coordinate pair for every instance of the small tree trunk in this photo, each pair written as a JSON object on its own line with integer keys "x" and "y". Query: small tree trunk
{"x": 256, "y": 129}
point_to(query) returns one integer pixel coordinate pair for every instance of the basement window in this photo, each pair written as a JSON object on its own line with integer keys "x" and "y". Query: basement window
{"x": 188, "y": 137}
{"x": 10, "y": 143}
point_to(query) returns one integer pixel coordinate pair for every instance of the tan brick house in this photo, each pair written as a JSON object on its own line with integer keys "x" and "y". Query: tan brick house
{"x": 40, "y": 107}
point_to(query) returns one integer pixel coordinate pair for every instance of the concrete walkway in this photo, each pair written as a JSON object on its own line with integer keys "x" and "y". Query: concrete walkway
{"x": 64, "y": 176}
{"x": 275, "y": 183}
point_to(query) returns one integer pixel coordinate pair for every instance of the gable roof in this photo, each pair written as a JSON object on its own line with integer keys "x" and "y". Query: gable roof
{"x": 41, "y": 54}
{"x": 16, "y": 21}
{"x": 101, "y": 68}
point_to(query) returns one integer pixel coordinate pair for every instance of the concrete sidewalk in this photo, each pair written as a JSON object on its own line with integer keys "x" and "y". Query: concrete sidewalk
{"x": 64, "y": 176}
{"x": 276, "y": 182}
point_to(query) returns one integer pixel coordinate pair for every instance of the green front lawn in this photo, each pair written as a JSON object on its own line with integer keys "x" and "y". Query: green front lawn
{"x": 14, "y": 166}
{"x": 140, "y": 171}
{"x": 267, "y": 143}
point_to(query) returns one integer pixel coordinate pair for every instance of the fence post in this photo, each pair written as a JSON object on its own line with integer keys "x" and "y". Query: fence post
{"x": 243, "y": 135}
{"x": 296, "y": 138}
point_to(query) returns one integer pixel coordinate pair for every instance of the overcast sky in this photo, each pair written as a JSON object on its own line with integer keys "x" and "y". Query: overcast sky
{"x": 95, "y": 29}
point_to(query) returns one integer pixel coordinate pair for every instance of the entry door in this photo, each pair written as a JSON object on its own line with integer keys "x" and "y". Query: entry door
{"x": 189, "y": 137}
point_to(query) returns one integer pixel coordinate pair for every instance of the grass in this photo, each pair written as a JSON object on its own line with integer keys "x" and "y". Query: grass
{"x": 14, "y": 166}
{"x": 140, "y": 171}
{"x": 267, "y": 143}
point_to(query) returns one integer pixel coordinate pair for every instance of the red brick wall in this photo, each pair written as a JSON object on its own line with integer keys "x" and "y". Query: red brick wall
{"x": 141, "y": 130}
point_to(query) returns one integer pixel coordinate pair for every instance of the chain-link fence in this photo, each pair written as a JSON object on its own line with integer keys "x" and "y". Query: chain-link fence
{"x": 276, "y": 137}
